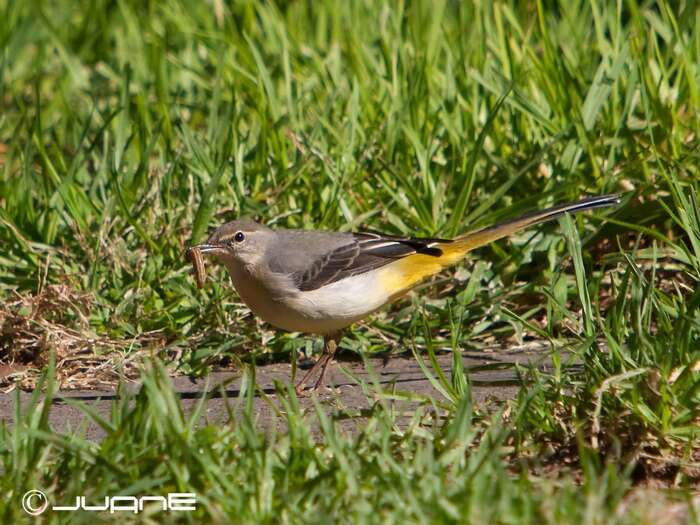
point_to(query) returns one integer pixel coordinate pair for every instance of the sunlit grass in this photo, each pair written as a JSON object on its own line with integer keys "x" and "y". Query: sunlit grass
{"x": 129, "y": 129}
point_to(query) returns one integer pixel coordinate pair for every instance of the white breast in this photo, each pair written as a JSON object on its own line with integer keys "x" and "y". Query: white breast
{"x": 324, "y": 310}
{"x": 341, "y": 303}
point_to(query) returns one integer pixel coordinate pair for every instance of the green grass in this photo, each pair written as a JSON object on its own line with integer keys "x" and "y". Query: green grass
{"x": 128, "y": 129}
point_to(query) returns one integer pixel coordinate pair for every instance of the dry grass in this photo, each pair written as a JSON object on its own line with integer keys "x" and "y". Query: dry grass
{"x": 56, "y": 319}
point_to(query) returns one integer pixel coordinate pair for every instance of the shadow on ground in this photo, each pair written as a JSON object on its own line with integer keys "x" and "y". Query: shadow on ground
{"x": 492, "y": 373}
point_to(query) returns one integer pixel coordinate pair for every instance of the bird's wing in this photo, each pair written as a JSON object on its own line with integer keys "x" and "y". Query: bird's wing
{"x": 357, "y": 253}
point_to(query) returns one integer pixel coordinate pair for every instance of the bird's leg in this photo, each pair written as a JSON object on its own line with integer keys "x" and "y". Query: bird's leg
{"x": 319, "y": 362}
{"x": 330, "y": 344}
{"x": 330, "y": 347}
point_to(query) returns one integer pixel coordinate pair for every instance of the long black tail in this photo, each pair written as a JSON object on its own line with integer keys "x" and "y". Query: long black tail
{"x": 471, "y": 240}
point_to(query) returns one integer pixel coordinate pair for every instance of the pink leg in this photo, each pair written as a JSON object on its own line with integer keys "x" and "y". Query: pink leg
{"x": 330, "y": 344}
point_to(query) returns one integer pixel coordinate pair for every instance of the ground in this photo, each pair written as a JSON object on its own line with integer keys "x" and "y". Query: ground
{"x": 491, "y": 373}
{"x": 130, "y": 130}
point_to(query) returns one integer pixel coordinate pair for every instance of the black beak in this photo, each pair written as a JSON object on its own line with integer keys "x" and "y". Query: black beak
{"x": 209, "y": 248}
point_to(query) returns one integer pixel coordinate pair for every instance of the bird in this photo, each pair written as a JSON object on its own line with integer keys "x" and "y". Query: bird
{"x": 321, "y": 282}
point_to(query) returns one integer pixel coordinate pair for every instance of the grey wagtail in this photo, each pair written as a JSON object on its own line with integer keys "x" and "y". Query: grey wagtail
{"x": 320, "y": 282}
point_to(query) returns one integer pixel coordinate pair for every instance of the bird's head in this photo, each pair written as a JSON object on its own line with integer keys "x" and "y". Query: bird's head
{"x": 243, "y": 241}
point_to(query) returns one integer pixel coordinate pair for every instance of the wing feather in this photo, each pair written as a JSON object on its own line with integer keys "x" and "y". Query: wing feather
{"x": 363, "y": 252}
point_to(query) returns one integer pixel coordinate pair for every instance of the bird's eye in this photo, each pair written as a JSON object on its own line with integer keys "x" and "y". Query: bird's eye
{"x": 239, "y": 237}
